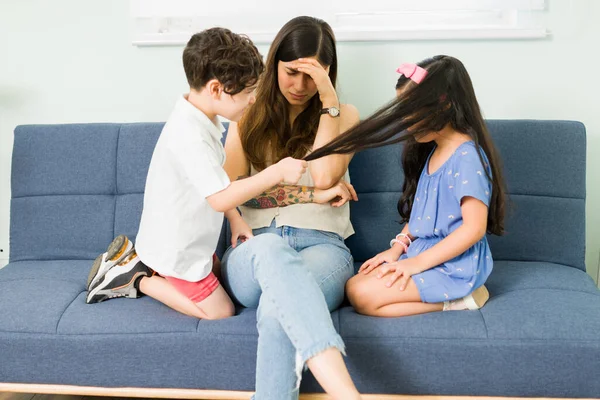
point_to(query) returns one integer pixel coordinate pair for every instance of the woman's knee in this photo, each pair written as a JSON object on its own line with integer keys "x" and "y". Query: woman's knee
{"x": 267, "y": 250}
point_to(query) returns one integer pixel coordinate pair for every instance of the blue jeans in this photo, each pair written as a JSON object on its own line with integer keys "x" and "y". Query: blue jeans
{"x": 295, "y": 277}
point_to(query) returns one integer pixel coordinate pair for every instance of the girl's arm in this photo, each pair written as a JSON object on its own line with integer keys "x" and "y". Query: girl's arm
{"x": 397, "y": 246}
{"x": 390, "y": 255}
{"x": 475, "y": 214}
{"x": 474, "y": 227}
{"x": 406, "y": 232}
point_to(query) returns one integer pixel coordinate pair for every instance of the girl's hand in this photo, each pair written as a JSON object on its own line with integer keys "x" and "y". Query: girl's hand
{"x": 338, "y": 195}
{"x": 402, "y": 270}
{"x": 320, "y": 76}
{"x": 239, "y": 231}
{"x": 388, "y": 256}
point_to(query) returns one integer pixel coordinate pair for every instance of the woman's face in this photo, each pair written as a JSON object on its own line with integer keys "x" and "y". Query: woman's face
{"x": 297, "y": 87}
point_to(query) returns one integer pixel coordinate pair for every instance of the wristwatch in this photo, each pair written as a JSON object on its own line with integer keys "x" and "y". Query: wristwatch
{"x": 332, "y": 111}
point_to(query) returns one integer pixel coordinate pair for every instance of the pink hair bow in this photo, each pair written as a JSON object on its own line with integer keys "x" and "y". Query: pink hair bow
{"x": 412, "y": 72}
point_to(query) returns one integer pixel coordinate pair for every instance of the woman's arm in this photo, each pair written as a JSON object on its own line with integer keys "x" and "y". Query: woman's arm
{"x": 238, "y": 167}
{"x": 236, "y": 163}
{"x": 286, "y": 195}
{"x": 282, "y": 196}
{"x": 326, "y": 171}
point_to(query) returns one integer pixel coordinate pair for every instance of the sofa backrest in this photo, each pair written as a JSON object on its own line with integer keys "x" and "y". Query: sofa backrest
{"x": 544, "y": 166}
{"x": 74, "y": 187}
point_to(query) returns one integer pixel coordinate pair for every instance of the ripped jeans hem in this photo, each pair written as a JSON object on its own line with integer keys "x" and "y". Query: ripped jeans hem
{"x": 305, "y": 355}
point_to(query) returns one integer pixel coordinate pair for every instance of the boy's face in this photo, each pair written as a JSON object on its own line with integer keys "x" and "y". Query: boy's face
{"x": 233, "y": 107}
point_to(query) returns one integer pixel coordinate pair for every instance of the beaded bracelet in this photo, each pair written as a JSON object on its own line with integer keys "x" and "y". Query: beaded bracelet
{"x": 406, "y": 236}
{"x": 399, "y": 242}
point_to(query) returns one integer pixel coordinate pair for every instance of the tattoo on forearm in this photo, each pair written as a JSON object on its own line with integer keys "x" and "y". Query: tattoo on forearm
{"x": 281, "y": 196}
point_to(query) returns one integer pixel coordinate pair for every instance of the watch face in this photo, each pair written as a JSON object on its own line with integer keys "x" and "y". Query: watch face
{"x": 334, "y": 111}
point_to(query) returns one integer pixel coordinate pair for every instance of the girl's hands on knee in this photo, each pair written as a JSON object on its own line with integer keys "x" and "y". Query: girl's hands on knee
{"x": 402, "y": 271}
{"x": 388, "y": 256}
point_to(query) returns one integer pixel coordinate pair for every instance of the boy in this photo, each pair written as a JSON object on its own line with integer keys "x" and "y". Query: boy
{"x": 187, "y": 190}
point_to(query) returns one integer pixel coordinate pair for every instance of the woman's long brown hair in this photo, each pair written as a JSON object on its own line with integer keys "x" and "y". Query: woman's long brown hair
{"x": 445, "y": 96}
{"x": 265, "y": 130}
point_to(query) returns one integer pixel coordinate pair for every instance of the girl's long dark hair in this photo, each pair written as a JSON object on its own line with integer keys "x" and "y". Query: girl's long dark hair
{"x": 445, "y": 96}
{"x": 265, "y": 129}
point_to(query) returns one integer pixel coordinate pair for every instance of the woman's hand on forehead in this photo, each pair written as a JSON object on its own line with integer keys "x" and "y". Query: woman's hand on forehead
{"x": 320, "y": 76}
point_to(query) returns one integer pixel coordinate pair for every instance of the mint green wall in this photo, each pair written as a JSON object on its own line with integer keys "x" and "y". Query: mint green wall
{"x": 72, "y": 61}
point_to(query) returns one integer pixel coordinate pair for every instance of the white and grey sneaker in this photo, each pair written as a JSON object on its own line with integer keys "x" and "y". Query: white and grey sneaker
{"x": 119, "y": 249}
{"x": 119, "y": 280}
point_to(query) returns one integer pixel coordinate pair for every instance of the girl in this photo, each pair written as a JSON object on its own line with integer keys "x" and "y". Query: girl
{"x": 453, "y": 194}
{"x": 295, "y": 267}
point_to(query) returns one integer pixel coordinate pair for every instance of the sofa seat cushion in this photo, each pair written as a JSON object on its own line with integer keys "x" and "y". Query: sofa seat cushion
{"x": 541, "y": 324}
{"x": 49, "y": 335}
{"x": 540, "y": 318}
{"x": 34, "y": 295}
{"x": 49, "y": 297}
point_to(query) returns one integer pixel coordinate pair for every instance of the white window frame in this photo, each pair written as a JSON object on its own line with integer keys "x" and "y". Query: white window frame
{"x": 172, "y": 22}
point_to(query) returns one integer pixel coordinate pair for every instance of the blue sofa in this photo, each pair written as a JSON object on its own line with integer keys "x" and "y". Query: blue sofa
{"x": 75, "y": 187}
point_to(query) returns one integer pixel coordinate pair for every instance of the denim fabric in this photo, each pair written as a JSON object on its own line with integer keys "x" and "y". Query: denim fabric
{"x": 295, "y": 277}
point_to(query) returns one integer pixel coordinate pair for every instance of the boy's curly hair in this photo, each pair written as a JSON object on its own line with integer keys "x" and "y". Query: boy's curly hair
{"x": 218, "y": 53}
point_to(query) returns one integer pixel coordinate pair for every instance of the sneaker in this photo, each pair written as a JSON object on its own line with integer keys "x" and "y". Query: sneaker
{"x": 119, "y": 280}
{"x": 473, "y": 301}
{"x": 120, "y": 248}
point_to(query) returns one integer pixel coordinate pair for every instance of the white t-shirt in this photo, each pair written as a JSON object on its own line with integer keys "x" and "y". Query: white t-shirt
{"x": 179, "y": 230}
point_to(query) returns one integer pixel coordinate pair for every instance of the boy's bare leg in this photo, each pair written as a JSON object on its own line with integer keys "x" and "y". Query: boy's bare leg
{"x": 217, "y": 305}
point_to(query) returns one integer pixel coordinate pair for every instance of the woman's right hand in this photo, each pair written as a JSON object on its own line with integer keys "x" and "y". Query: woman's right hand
{"x": 291, "y": 169}
{"x": 389, "y": 256}
{"x": 342, "y": 192}
{"x": 320, "y": 77}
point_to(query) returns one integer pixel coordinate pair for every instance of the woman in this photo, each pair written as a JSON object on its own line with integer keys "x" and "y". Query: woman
{"x": 295, "y": 267}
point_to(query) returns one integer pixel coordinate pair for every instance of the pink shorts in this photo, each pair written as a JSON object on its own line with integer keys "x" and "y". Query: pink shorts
{"x": 196, "y": 291}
